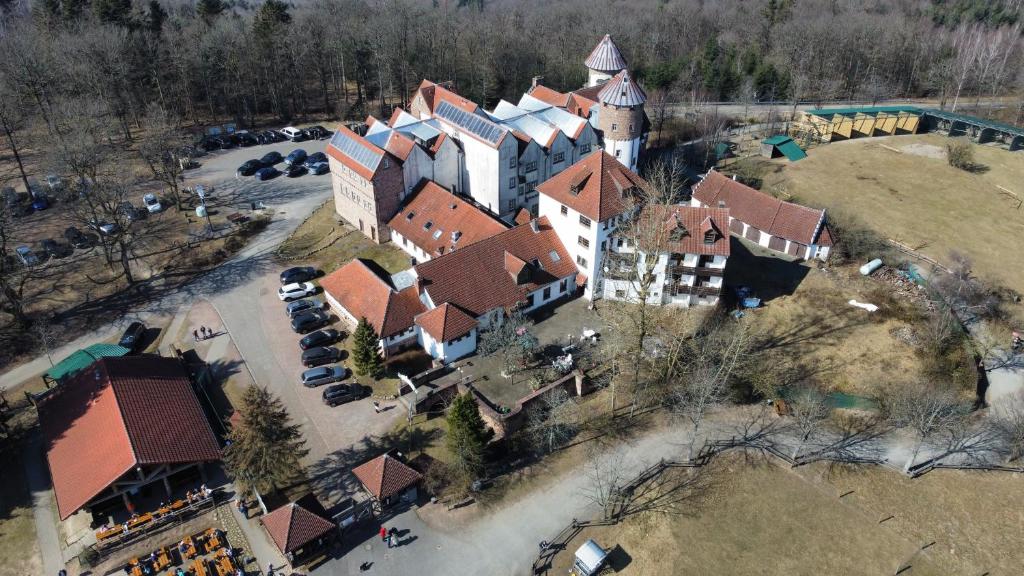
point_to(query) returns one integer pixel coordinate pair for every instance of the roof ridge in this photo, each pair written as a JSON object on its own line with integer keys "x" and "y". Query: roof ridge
{"x": 121, "y": 410}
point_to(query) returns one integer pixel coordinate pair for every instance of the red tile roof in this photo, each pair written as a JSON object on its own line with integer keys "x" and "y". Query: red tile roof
{"x": 399, "y": 145}
{"x": 599, "y": 180}
{"x": 446, "y": 322}
{"x": 448, "y": 214}
{"x": 769, "y": 214}
{"x": 549, "y": 96}
{"x": 522, "y": 217}
{"x": 296, "y": 524}
{"x": 118, "y": 414}
{"x": 365, "y": 294}
{"x": 474, "y": 278}
{"x": 386, "y": 476}
{"x": 685, "y": 226}
{"x": 434, "y": 94}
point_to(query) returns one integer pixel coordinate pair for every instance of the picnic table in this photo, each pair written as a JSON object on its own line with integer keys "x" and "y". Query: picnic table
{"x": 212, "y": 540}
{"x": 109, "y": 533}
{"x": 199, "y": 567}
{"x": 190, "y": 548}
{"x": 140, "y": 520}
{"x": 237, "y": 217}
{"x": 223, "y": 564}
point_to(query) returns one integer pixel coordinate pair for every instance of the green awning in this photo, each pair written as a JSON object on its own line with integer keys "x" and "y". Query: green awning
{"x": 791, "y": 150}
{"x": 82, "y": 359}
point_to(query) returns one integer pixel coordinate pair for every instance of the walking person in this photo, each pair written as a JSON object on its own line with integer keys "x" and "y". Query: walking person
{"x": 195, "y": 335}
{"x": 376, "y": 407}
{"x": 383, "y": 533}
{"x": 393, "y": 541}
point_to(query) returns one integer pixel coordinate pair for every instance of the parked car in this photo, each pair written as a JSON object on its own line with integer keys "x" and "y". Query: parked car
{"x": 320, "y": 355}
{"x": 76, "y": 238}
{"x": 54, "y": 182}
{"x": 104, "y": 228}
{"x": 26, "y": 256}
{"x": 246, "y": 138}
{"x": 249, "y": 167}
{"x": 267, "y": 174}
{"x": 337, "y": 394}
{"x": 320, "y": 168}
{"x": 304, "y": 305}
{"x": 277, "y": 135}
{"x": 298, "y": 156}
{"x": 228, "y": 141}
{"x": 303, "y": 322}
{"x": 295, "y": 170}
{"x": 271, "y": 158}
{"x": 130, "y": 211}
{"x": 295, "y": 290}
{"x": 319, "y": 338}
{"x": 40, "y": 202}
{"x": 152, "y": 203}
{"x": 299, "y": 274}
{"x": 317, "y": 132}
{"x": 132, "y": 337}
{"x": 315, "y": 158}
{"x": 323, "y": 375}
{"x": 294, "y": 134}
{"x": 54, "y": 249}
{"x": 210, "y": 143}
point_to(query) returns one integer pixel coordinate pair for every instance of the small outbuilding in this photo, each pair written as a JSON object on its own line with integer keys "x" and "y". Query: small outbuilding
{"x": 590, "y": 558}
{"x": 300, "y": 529}
{"x": 782, "y": 145}
{"x": 388, "y": 480}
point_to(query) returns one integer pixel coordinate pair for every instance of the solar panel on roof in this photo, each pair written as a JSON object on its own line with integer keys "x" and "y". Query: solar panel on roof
{"x": 476, "y": 125}
{"x": 356, "y": 150}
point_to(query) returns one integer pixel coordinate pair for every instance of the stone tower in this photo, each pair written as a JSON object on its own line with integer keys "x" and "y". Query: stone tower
{"x": 620, "y": 118}
{"x": 604, "y": 62}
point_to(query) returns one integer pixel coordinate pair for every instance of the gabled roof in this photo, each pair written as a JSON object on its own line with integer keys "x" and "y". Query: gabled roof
{"x": 386, "y": 476}
{"x": 355, "y": 152}
{"x": 434, "y": 94}
{"x": 117, "y": 414}
{"x": 621, "y": 90}
{"x": 364, "y": 294}
{"x": 606, "y": 56}
{"x": 84, "y": 358}
{"x": 769, "y": 214}
{"x": 446, "y": 322}
{"x": 474, "y": 278}
{"x": 298, "y": 523}
{"x": 599, "y": 181}
{"x": 454, "y": 223}
{"x": 685, "y": 228}
{"x": 552, "y": 97}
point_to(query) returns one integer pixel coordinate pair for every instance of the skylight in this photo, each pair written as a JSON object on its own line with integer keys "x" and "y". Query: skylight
{"x": 428, "y": 225}
{"x": 554, "y": 256}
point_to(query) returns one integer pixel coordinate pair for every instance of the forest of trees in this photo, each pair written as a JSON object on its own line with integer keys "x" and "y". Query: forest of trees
{"x": 217, "y": 60}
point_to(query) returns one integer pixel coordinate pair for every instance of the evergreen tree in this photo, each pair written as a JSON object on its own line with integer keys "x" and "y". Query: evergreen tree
{"x": 265, "y": 448}
{"x": 113, "y": 11}
{"x": 208, "y": 10}
{"x": 271, "y": 15}
{"x": 468, "y": 435}
{"x": 365, "y": 350}
{"x": 156, "y": 17}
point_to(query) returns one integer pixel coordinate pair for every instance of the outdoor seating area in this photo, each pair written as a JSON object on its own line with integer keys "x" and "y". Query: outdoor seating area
{"x": 203, "y": 554}
{"x": 165, "y": 512}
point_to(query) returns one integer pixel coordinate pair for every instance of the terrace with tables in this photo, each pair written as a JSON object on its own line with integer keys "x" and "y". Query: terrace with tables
{"x": 202, "y": 554}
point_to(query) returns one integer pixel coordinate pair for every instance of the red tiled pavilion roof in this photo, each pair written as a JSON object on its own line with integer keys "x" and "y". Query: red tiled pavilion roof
{"x": 385, "y": 476}
{"x": 298, "y": 523}
{"x": 118, "y": 414}
{"x": 446, "y": 322}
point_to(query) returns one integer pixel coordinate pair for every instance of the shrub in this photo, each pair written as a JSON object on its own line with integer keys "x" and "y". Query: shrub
{"x": 233, "y": 244}
{"x": 960, "y": 153}
{"x": 855, "y": 242}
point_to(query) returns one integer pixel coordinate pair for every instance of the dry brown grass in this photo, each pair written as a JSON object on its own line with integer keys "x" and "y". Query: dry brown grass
{"x": 919, "y": 200}
{"x": 760, "y": 518}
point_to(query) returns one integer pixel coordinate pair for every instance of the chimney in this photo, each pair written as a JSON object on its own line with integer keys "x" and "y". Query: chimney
{"x": 721, "y": 203}
{"x": 534, "y": 226}
{"x": 535, "y": 80}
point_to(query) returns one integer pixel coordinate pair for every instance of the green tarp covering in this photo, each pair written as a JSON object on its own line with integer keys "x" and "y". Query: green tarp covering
{"x": 791, "y": 150}
{"x": 869, "y": 110}
{"x": 82, "y": 359}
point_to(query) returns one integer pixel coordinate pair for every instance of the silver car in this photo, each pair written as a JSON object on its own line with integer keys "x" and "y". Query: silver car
{"x": 323, "y": 375}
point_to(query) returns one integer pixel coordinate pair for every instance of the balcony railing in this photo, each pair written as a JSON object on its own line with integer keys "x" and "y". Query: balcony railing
{"x": 696, "y": 270}
{"x": 696, "y": 290}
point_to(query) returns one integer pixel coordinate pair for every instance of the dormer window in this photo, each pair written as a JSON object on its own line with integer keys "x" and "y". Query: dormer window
{"x": 536, "y": 264}
{"x": 428, "y": 225}
{"x": 410, "y": 215}
{"x": 437, "y": 233}
{"x": 710, "y": 237}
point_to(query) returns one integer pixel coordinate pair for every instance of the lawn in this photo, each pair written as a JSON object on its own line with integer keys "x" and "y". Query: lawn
{"x": 903, "y": 187}
{"x": 757, "y": 517}
{"x": 324, "y": 240}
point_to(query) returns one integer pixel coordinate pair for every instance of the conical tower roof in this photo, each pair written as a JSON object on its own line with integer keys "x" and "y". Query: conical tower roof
{"x": 606, "y": 56}
{"x": 622, "y": 91}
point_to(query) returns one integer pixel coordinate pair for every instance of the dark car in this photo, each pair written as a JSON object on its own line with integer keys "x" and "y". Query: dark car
{"x": 246, "y": 139}
{"x": 267, "y": 173}
{"x": 132, "y": 337}
{"x": 76, "y": 238}
{"x": 228, "y": 141}
{"x": 298, "y": 274}
{"x": 249, "y": 167}
{"x": 293, "y": 309}
{"x": 317, "y": 132}
{"x": 309, "y": 320}
{"x": 315, "y": 158}
{"x": 55, "y": 249}
{"x": 320, "y": 338}
{"x": 320, "y": 355}
{"x": 336, "y": 394}
{"x": 271, "y": 158}
{"x": 323, "y": 375}
{"x": 210, "y": 143}
{"x": 40, "y": 202}
{"x": 298, "y": 156}
{"x": 277, "y": 135}
{"x": 319, "y": 168}
{"x": 295, "y": 170}
{"x": 131, "y": 212}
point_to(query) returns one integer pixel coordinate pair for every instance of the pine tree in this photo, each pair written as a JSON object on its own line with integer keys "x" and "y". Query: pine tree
{"x": 365, "y": 350}
{"x": 156, "y": 17}
{"x": 270, "y": 15}
{"x": 208, "y": 10}
{"x": 468, "y": 435}
{"x": 113, "y": 11}
{"x": 265, "y": 448}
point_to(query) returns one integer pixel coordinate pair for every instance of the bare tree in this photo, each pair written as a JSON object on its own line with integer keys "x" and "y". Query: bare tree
{"x": 925, "y": 409}
{"x": 12, "y": 121}
{"x": 161, "y": 149}
{"x": 552, "y": 422}
{"x": 809, "y": 409}
{"x": 1009, "y": 423}
{"x": 512, "y": 340}
{"x": 968, "y": 40}
{"x": 13, "y": 276}
{"x": 606, "y": 474}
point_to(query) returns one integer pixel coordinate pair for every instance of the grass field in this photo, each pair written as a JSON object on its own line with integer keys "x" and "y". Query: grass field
{"x": 903, "y": 187}
{"x": 759, "y": 518}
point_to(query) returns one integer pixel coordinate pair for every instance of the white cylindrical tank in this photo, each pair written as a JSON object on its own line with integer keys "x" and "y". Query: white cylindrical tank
{"x": 870, "y": 267}
{"x": 201, "y": 211}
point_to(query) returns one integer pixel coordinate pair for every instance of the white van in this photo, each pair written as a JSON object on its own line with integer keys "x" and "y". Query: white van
{"x": 293, "y": 133}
